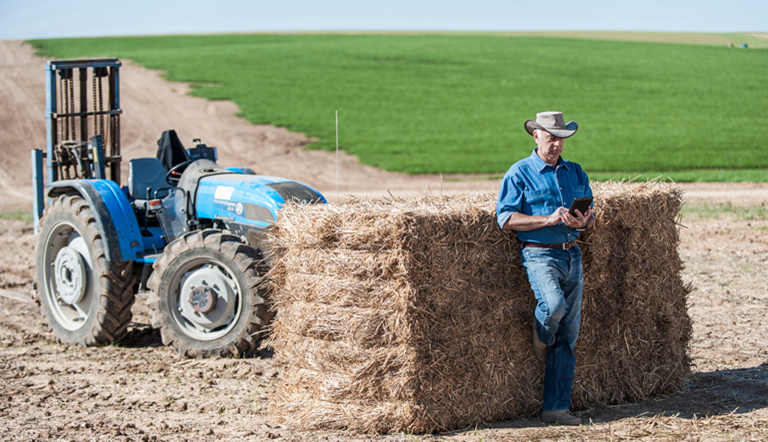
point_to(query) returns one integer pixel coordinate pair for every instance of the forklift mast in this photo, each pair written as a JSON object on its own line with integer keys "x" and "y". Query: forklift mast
{"x": 82, "y": 124}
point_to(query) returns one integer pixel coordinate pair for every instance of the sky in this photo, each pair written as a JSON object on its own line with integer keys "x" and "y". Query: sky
{"x": 28, "y": 19}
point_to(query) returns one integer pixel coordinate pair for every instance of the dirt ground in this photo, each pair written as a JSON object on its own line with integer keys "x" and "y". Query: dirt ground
{"x": 141, "y": 390}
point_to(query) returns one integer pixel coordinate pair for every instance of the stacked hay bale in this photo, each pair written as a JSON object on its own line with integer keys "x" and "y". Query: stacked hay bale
{"x": 635, "y": 327}
{"x": 415, "y": 315}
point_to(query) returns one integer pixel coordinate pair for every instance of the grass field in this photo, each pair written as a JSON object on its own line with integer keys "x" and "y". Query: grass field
{"x": 427, "y": 103}
{"x": 17, "y": 215}
{"x": 709, "y": 210}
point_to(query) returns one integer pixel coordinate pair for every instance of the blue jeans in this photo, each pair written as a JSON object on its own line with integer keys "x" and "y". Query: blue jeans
{"x": 556, "y": 278}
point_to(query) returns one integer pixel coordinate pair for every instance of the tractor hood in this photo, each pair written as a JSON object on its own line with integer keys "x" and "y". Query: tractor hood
{"x": 248, "y": 199}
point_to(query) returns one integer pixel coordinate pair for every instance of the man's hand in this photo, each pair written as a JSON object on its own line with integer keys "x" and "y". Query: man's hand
{"x": 580, "y": 221}
{"x": 557, "y": 217}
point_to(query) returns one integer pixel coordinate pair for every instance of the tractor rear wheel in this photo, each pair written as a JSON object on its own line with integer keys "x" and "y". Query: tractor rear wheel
{"x": 206, "y": 295}
{"x": 86, "y": 298}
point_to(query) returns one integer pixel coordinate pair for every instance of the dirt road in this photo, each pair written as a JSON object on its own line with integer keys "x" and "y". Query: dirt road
{"x": 152, "y": 105}
{"x": 140, "y": 390}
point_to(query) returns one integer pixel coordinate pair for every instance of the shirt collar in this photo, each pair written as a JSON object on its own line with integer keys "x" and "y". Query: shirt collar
{"x": 541, "y": 164}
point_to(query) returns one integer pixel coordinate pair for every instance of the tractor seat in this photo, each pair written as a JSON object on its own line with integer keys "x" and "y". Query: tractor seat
{"x": 147, "y": 175}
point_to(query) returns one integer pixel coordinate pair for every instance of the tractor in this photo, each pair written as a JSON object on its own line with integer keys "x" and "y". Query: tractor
{"x": 185, "y": 232}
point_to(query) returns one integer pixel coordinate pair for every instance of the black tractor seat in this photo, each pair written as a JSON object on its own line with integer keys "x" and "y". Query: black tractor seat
{"x": 146, "y": 179}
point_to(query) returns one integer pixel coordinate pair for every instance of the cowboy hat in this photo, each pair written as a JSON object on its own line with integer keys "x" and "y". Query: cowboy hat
{"x": 553, "y": 123}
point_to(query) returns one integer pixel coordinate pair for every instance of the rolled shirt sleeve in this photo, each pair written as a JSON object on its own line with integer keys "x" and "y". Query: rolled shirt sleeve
{"x": 510, "y": 199}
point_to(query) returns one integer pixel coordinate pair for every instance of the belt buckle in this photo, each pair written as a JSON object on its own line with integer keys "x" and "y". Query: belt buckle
{"x": 568, "y": 245}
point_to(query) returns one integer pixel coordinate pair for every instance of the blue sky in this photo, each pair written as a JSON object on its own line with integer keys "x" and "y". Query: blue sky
{"x": 25, "y": 19}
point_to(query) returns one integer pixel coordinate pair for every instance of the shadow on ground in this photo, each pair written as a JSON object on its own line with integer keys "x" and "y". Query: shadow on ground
{"x": 735, "y": 391}
{"x": 739, "y": 390}
{"x": 141, "y": 336}
{"x": 144, "y": 336}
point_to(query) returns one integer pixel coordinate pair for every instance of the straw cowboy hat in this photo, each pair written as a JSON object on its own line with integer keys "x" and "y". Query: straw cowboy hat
{"x": 553, "y": 123}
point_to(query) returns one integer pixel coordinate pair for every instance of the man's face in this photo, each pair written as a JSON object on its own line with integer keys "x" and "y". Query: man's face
{"x": 550, "y": 147}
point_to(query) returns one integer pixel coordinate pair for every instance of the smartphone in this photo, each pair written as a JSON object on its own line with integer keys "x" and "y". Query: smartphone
{"x": 580, "y": 204}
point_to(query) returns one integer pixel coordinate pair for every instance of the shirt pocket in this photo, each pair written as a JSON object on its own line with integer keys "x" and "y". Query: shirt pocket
{"x": 540, "y": 202}
{"x": 579, "y": 191}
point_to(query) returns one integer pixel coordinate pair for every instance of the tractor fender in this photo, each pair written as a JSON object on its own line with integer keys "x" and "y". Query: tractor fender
{"x": 114, "y": 215}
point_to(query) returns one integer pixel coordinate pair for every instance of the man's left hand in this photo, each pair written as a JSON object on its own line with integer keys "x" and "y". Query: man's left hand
{"x": 580, "y": 221}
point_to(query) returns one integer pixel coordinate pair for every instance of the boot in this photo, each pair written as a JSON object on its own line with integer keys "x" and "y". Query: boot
{"x": 560, "y": 417}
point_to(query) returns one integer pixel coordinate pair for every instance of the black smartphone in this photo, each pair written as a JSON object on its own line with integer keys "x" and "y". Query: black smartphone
{"x": 580, "y": 204}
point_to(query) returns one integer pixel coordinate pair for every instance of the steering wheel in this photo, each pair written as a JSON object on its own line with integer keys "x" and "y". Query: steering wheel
{"x": 174, "y": 175}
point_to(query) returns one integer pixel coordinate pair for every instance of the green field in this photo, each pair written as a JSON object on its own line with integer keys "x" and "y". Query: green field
{"x": 456, "y": 103}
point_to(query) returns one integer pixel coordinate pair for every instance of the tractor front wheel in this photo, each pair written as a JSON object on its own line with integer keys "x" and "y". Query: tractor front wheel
{"x": 206, "y": 295}
{"x": 86, "y": 298}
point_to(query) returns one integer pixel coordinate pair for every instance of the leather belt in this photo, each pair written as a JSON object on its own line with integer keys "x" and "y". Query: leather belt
{"x": 563, "y": 246}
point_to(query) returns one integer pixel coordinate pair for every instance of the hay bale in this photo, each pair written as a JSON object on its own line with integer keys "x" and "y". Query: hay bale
{"x": 415, "y": 315}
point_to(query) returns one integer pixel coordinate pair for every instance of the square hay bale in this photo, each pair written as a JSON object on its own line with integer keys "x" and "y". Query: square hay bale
{"x": 415, "y": 315}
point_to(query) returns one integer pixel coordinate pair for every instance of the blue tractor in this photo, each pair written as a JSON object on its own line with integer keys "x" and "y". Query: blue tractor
{"x": 185, "y": 231}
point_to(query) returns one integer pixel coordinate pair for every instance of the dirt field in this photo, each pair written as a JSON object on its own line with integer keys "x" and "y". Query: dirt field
{"x": 140, "y": 390}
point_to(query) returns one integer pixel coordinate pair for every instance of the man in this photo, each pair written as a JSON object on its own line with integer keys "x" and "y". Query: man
{"x": 534, "y": 200}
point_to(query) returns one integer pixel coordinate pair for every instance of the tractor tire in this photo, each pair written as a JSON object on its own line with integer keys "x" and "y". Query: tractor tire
{"x": 85, "y": 298}
{"x": 206, "y": 295}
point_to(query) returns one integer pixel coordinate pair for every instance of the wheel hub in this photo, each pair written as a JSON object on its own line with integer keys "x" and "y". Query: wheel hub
{"x": 208, "y": 300}
{"x": 202, "y": 299}
{"x": 70, "y": 275}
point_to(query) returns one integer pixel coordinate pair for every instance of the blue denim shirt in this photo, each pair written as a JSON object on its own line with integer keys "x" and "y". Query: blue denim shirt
{"x": 534, "y": 187}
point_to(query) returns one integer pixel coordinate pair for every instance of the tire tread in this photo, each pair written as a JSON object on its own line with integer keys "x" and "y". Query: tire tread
{"x": 244, "y": 256}
{"x": 115, "y": 279}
